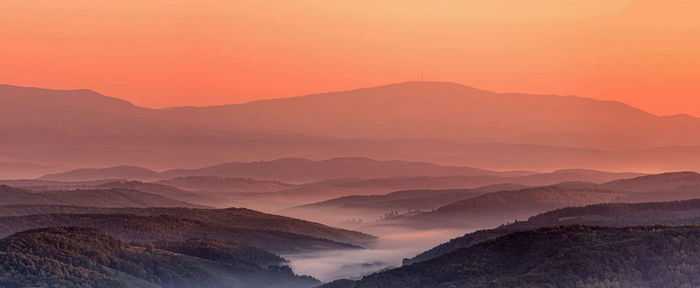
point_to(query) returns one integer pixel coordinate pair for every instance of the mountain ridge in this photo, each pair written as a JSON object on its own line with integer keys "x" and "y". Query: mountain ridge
{"x": 417, "y": 121}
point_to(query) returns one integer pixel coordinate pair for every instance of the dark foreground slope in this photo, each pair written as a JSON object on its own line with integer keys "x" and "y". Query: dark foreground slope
{"x": 565, "y": 256}
{"x": 85, "y": 257}
{"x": 615, "y": 214}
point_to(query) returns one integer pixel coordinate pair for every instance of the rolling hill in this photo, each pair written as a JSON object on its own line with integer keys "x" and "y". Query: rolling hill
{"x": 367, "y": 208}
{"x": 565, "y": 256}
{"x": 234, "y": 218}
{"x": 496, "y": 208}
{"x": 611, "y": 214}
{"x": 293, "y": 170}
{"x": 85, "y": 257}
{"x": 334, "y": 188}
{"x": 115, "y": 173}
{"x": 297, "y": 170}
{"x": 225, "y": 185}
{"x": 93, "y": 197}
{"x": 165, "y": 191}
{"x": 364, "y": 199}
{"x": 128, "y": 227}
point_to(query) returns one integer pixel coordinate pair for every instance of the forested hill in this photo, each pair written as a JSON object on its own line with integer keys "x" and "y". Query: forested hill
{"x": 85, "y": 257}
{"x": 614, "y": 214}
{"x": 237, "y": 218}
{"x": 565, "y": 256}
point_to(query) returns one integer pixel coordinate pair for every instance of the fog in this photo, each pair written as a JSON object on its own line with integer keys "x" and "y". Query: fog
{"x": 389, "y": 250}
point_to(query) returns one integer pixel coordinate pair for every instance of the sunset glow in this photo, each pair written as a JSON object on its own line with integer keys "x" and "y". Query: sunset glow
{"x": 171, "y": 53}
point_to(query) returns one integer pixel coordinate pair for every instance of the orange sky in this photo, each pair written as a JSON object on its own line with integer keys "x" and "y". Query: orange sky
{"x": 187, "y": 52}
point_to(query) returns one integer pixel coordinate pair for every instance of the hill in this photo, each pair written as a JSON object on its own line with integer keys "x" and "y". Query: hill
{"x": 84, "y": 257}
{"x": 665, "y": 182}
{"x": 165, "y": 191}
{"x": 611, "y": 214}
{"x": 496, "y": 208}
{"x": 367, "y": 208}
{"x": 93, "y": 197}
{"x": 493, "y": 209}
{"x": 362, "y": 199}
{"x": 338, "y": 188}
{"x": 225, "y": 185}
{"x": 128, "y": 227}
{"x": 297, "y": 170}
{"x": 565, "y": 256}
{"x": 93, "y": 174}
{"x": 233, "y": 218}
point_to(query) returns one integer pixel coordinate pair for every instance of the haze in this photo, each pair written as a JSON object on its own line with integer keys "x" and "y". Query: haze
{"x": 173, "y": 53}
{"x": 349, "y": 144}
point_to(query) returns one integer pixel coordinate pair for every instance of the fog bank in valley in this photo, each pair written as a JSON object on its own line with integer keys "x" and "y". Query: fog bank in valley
{"x": 389, "y": 250}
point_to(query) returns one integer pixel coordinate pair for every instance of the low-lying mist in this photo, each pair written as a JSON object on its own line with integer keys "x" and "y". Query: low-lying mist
{"x": 387, "y": 252}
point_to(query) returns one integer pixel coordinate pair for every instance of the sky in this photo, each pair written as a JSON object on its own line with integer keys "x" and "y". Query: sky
{"x": 184, "y": 52}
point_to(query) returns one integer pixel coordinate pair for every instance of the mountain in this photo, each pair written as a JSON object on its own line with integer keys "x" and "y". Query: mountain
{"x": 611, "y": 214}
{"x": 93, "y": 174}
{"x": 194, "y": 197}
{"x": 334, "y": 188}
{"x": 128, "y": 227}
{"x": 565, "y": 256}
{"x": 239, "y": 219}
{"x": 297, "y": 170}
{"x": 165, "y": 191}
{"x": 93, "y": 197}
{"x": 225, "y": 185}
{"x": 352, "y": 195}
{"x": 39, "y": 185}
{"x": 572, "y": 175}
{"x": 360, "y": 209}
{"x": 439, "y": 110}
{"x": 85, "y": 257}
{"x": 495, "y": 208}
{"x": 433, "y": 122}
{"x": 665, "y": 182}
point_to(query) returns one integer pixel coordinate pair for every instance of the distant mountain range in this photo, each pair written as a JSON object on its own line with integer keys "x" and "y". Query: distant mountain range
{"x": 433, "y": 122}
{"x": 296, "y": 170}
{"x": 365, "y": 199}
{"x": 266, "y": 184}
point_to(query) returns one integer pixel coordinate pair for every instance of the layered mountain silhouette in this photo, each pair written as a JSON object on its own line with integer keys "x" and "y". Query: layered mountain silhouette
{"x": 495, "y": 208}
{"x": 296, "y": 170}
{"x": 613, "y": 214}
{"x": 113, "y": 197}
{"x": 435, "y": 122}
{"x": 234, "y": 184}
{"x": 270, "y": 232}
{"x": 115, "y": 173}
